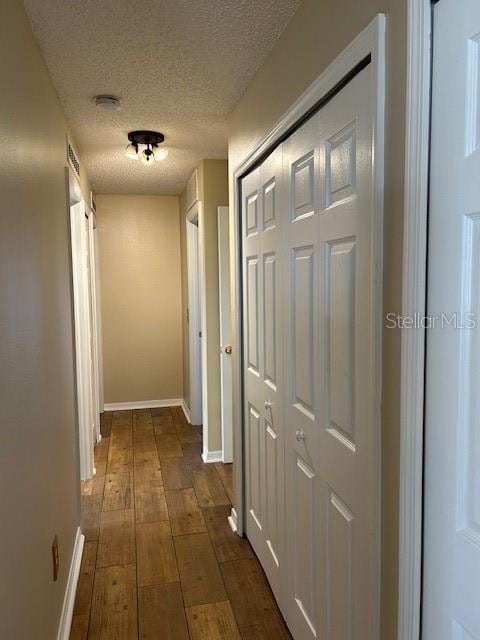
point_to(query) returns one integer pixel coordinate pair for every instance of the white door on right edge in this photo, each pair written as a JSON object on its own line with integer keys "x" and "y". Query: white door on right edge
{"x": 331, "y": 435}
{"x": 451, "y": 587}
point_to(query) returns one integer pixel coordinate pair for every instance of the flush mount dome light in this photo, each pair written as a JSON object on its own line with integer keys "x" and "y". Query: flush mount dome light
{"x": 144, "y": 145}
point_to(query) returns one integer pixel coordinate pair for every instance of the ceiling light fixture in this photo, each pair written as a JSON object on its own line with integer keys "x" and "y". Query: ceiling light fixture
{"x": 144, "y": 145}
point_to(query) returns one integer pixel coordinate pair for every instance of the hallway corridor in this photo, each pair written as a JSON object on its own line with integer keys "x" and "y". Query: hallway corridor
{"x": 160, "y": 560}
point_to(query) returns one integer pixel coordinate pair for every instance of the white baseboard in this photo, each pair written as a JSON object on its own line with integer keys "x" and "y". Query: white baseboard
{"x": 232, "y": 520}
{"x": 143, "y": 404}
{"x": 212, "y": 456}
{"x": 186, "y": 411}
{"x": 70, "y": 591}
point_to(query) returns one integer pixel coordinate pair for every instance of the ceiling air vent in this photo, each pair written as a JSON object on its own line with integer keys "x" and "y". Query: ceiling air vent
{"x": 72, "y": 159}
{"x": 111, "y": 103}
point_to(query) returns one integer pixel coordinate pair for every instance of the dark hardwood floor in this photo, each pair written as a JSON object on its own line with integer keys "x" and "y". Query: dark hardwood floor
{"x": 160, "y": 560}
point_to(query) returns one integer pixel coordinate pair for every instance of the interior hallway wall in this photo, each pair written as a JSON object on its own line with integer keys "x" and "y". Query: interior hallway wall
{"x": 317, "y": 33}
{"x": 212, "y": 176}
{"x": 38, "y": 447}
{"x": 139, "y": 247}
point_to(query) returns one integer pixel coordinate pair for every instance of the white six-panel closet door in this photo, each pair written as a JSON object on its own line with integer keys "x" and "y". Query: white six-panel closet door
{"x": 309, "y": 282}
{"x": 330, "y": 466}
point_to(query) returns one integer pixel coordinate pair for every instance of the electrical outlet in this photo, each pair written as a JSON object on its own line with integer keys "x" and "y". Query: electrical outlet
{"x": 55, "y": 558}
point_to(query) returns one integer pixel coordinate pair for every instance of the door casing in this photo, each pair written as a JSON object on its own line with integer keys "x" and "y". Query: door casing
{"x": 414, "y": 278}
{"x": 225, "y": 332}
{"x": 196, "y": 320}
{"x": 92, "y": 276}
{"x": 98, "y": 314}
{"x": 370, "y": 42}
{"x": 83, "y": 391}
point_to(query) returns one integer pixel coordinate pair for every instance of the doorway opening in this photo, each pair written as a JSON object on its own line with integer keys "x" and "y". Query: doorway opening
{"x": 84, "y": 250}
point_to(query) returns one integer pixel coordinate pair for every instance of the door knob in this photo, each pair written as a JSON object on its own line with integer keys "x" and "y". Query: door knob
{"x": 300, "y": 435}
{"x": 267, "y": 404}
{"x": 228, "y": 349}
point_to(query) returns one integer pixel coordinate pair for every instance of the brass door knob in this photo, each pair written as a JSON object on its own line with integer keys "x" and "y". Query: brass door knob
{"x": 228, "y": 350}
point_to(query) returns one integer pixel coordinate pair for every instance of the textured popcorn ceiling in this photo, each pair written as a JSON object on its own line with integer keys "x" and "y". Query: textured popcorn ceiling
{"x": 179, "y": 66}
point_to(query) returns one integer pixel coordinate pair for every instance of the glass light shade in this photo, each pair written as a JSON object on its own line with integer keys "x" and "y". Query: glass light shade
{"x": 160, "y": 153}
{"x": 147, "y": 157}
{"x": 131, "y": 152}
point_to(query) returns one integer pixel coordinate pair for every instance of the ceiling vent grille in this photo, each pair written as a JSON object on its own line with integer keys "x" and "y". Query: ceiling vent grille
{"x": 72, "y": 159}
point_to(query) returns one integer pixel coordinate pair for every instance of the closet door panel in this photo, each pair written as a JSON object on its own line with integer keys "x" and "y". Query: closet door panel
{"x": 263, "y": 329}
{"x": 330, "y": 392}
{"x": 252, "y": 343}
{"x": 305, "y": 491}
{"x": 271, "y": 189}
{"x": 347, "y": 431}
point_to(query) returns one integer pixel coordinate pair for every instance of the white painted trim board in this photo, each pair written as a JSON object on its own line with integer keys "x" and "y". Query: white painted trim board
{"x": 419, "y": 27}
{"x": 71, "y": 588}
{"x": 193, "y": 228}
{"x": 232, "y": 520}
{"x": 186, "y": 411}
{"x": 212, "y": 456}
{"x": 143, "y": 404}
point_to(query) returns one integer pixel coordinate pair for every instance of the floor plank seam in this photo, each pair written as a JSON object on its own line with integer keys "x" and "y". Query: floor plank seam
{"x": 135, "y": 524}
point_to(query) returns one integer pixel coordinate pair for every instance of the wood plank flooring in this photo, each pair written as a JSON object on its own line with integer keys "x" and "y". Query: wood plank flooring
{"x": 160, "y": 560}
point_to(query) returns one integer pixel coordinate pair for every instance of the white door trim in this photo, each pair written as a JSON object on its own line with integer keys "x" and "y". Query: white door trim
{"x": 65, "y": 624}
{"x": 369, "y": 42}
{"x": 80, "y": 322}
{"x": 75, "y": 204}
{"x": 419, "y": 26}
{"x": 196, "y": 303}
{"x": 144, "y": 404}
{"x": 193, "y": 314}
{"x": 225, "y": 333}
{"x": 94, "y": 323}
{"x": 98, "y": 314}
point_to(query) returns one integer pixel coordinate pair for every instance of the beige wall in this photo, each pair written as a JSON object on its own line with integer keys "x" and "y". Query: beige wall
{"x": 38, "y": 451}
{"x": 213, "y": 192}
{"x": 316, "y": 34}
{"x": 139, "y": 246}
